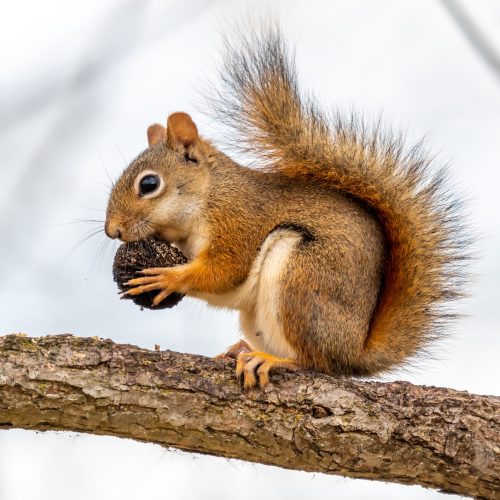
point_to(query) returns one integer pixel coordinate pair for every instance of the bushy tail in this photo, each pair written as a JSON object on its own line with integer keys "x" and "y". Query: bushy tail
{"x": 423, "y": 228}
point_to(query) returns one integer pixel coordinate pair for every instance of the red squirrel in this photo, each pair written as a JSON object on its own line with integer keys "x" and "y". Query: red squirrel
{"x": 340, "y": 252}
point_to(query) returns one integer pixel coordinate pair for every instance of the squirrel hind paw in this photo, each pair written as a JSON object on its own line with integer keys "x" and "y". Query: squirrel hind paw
{"x": 235, "y": 350}
{"x": 254, "y": 367}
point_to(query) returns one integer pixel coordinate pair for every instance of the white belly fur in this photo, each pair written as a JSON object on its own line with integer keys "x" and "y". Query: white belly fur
{"x": 257, "y": 298}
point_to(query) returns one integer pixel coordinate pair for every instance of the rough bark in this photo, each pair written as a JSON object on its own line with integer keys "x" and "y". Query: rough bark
{"x": 398, "y": 432}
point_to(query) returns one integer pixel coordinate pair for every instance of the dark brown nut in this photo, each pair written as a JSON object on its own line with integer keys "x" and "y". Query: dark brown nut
{"x": 133, "y": 257}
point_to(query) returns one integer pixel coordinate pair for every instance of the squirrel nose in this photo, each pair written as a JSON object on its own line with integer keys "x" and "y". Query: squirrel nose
{"x": 112, "y": 230}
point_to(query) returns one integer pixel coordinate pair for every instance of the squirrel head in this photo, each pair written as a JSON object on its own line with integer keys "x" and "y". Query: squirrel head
{"x": 161, "y": 191}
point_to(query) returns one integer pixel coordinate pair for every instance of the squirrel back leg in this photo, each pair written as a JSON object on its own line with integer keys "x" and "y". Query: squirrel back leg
{"x": 327, "y": 299}
{"x": 312, "y": 302}
{"x": 326, "y": 333}
{"x": 260, "y": 320}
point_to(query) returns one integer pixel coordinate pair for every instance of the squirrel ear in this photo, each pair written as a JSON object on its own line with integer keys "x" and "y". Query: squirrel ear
{"x": 156, "y": 134}
{"x": 181, "y": 129}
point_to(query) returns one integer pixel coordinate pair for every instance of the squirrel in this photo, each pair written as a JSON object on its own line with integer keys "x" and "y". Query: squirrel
{"x": 341, "y": 251}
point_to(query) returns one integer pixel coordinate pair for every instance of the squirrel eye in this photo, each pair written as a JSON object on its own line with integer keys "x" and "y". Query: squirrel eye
{"x": 148, "y": 184}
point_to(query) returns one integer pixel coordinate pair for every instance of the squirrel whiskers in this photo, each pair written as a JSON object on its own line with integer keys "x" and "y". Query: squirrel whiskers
{"x": 341, "y": 252}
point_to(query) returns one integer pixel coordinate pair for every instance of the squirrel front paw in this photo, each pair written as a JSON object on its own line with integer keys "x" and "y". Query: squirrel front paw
{"x": 163, "y": 279}
{"x": 253, "y": 365}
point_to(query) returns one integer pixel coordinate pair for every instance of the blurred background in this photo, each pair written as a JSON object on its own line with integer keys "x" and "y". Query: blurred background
{"x": 81, "y": 81}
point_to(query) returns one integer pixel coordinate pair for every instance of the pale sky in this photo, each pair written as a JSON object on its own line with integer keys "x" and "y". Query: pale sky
{"x": 80, "y": 84}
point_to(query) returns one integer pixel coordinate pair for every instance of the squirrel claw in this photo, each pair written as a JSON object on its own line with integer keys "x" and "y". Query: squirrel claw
{"x": 251, "y": 365}
{"x": 235, "y": 350}
{"x": 158, "y": 278}
{"x": 163, "y": 293}
{"x": 152, "y": 271}
{"x": 137, "y": 290}
{"x": 146, "y": 280}
{"x": 161, "y": 296}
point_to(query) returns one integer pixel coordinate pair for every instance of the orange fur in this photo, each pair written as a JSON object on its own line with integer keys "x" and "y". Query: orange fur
{"x": 342, "y": 250}
{"x": 181, "y": 129}
{"x": 156, "y": 134}
{"x": 424, "y": 232}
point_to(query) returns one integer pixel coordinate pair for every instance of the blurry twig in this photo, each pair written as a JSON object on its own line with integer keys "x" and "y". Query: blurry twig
{"x": 77, "y": 101}
{"x": 477, "y": 39}
{"x": 109, "y": 47}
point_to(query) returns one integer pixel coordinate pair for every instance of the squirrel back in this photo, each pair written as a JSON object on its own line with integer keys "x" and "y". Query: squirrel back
{"x": 423, "y": 228}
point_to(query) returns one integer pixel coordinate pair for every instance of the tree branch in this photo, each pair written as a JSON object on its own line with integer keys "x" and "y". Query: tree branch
{"x": 398, "y": 432}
